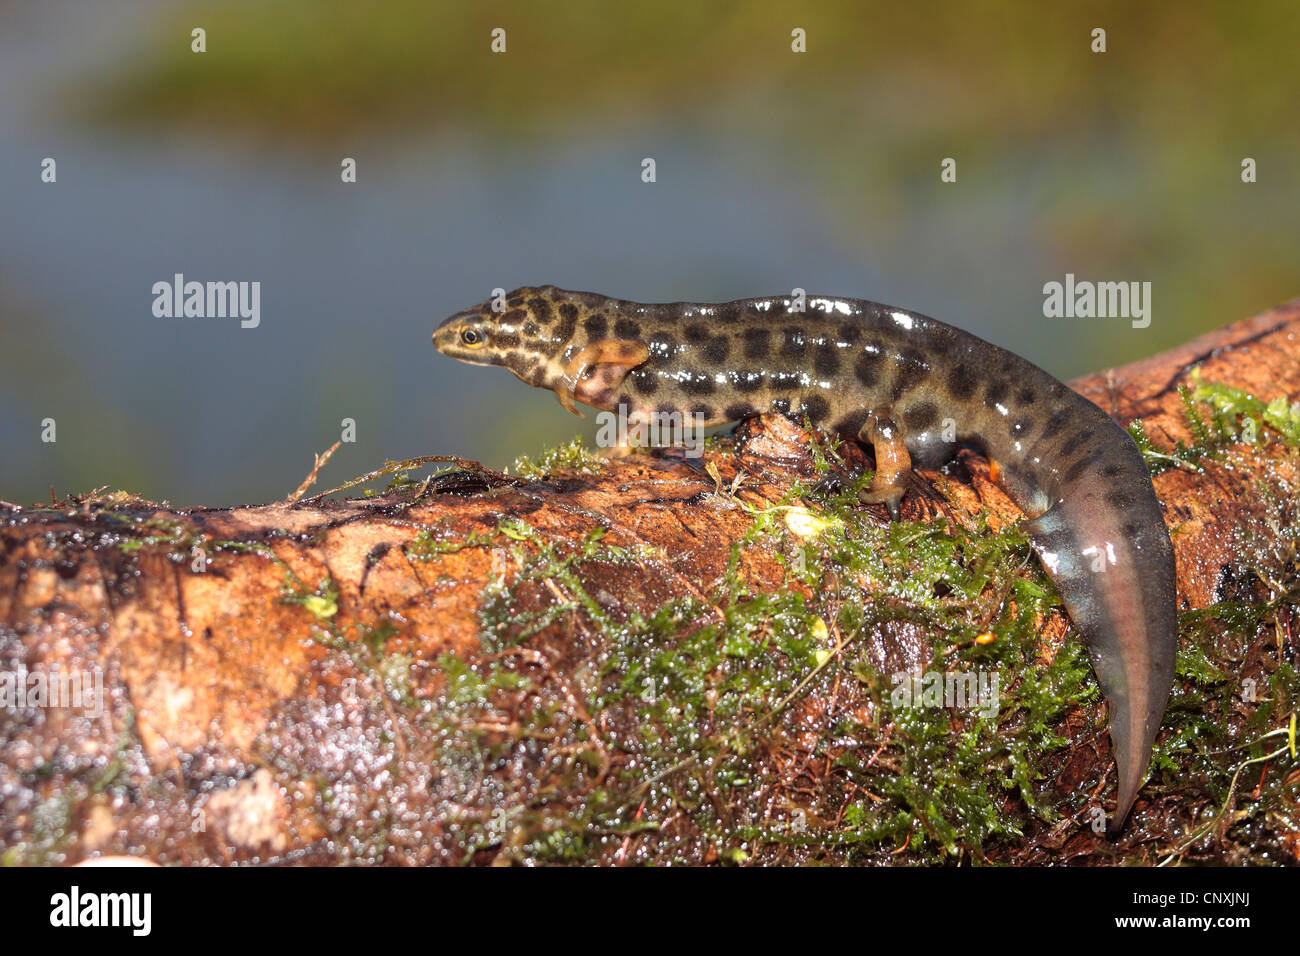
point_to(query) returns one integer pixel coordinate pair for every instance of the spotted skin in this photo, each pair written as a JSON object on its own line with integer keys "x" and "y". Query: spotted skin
{"x": 914, "y": 388}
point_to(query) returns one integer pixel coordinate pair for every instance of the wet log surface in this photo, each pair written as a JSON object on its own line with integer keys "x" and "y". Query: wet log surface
{"x": 648, "y": 660}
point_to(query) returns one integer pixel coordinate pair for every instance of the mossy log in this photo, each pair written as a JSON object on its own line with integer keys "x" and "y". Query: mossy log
{"x": 656, "y": 659}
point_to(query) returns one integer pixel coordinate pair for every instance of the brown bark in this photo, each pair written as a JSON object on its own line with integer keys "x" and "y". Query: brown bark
{"x": 251, "y": 713}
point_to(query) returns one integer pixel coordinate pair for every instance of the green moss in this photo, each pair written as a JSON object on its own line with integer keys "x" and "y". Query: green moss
{"x": 322, "y": 602}
{"x": 1240, "y": 416}
{"x": 1234, "y": 417}
{"x": 432, "y": 543}
{"x": 573, "y": 456}
{"x": 177, "y": 535}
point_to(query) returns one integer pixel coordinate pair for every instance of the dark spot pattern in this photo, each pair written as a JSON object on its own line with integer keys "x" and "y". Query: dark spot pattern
{"x": 541, "y": 309}
{"x": 1075, "y": 442}
{"x": 625, "y": 328}
{"x": 793, "y": 342}
{"x": 1080, "y": 467}
{"x": 568, "y": 322}
{"x": 1026, "y": 396}
{"x": 738, "y": 410}
{"x": 940, "y": 347}
{"x": 1112, "y": 470}
{"x": 515, "y": 301}
{"x": 851, "y": 424}
{"x": 826, "y": 362}
{"x": 531, "y": 329}
{"x": 910, "y": 370}
{"x": 645, "y": 382}
{"x": 757, "y": 343}
{"x": 867, "y": 368}
{"x": 816, "y": 408}
{"x": 507, "y": 340}
{"x": 695, "y": 332}
{"x": 1060, "y": 418}
{"x": 1119, "y": 499}
{"x": 921, "y": 416}
{"x": 698, "y": 385}
{"x": 781, "y": 405}
{"x": 704, "y": 411}
{"x": 662, "y": 344}
{"x": 747, "y": 382}
{"x": 995, "y": 393}
{"x": 962, "y": 381}
{"x": 597, "y": 326}
{"x": 717, "y": 349}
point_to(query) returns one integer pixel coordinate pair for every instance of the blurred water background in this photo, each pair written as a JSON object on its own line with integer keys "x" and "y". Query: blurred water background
{"x": 477, "y": 170}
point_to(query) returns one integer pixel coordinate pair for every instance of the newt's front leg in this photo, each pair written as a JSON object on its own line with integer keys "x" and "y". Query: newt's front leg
{"x": 595, "y": 373}
{"x": 893, "y": 463}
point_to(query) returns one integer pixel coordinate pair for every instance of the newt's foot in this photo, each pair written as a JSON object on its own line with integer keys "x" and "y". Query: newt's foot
{"x": 893, "y": 462}
{"x": 836, "y": 480}
{"x": 891, "y": 497}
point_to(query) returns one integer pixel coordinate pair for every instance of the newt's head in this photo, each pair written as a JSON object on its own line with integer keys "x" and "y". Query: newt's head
{"x": 505, "y": 331}
{"x": 549, "y": 338}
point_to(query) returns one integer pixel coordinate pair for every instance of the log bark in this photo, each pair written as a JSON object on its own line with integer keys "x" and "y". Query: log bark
{"x": 438, "y": 673}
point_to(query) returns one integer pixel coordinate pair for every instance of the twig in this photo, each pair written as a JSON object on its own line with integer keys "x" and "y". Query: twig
{"x": 311, "y": 478}
{"x": 395, "y": 467}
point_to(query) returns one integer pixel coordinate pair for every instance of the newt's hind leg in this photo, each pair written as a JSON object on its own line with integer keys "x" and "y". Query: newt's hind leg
{"x": 893, "y": 463}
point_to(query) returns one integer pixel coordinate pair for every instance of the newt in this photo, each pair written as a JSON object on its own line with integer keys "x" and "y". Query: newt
{"x": 913, "y": 388}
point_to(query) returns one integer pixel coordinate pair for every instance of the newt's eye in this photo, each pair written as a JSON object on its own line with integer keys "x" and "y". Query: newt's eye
{"x": 471, "y": 337}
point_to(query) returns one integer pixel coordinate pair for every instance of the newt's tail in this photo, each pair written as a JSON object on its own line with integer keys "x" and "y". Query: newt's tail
{"x": 1106, "y": 547}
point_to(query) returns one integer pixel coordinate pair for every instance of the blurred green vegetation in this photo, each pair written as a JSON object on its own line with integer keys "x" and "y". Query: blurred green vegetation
{"x": 321, "y": 67}
{"x": 1125, "y": 164}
